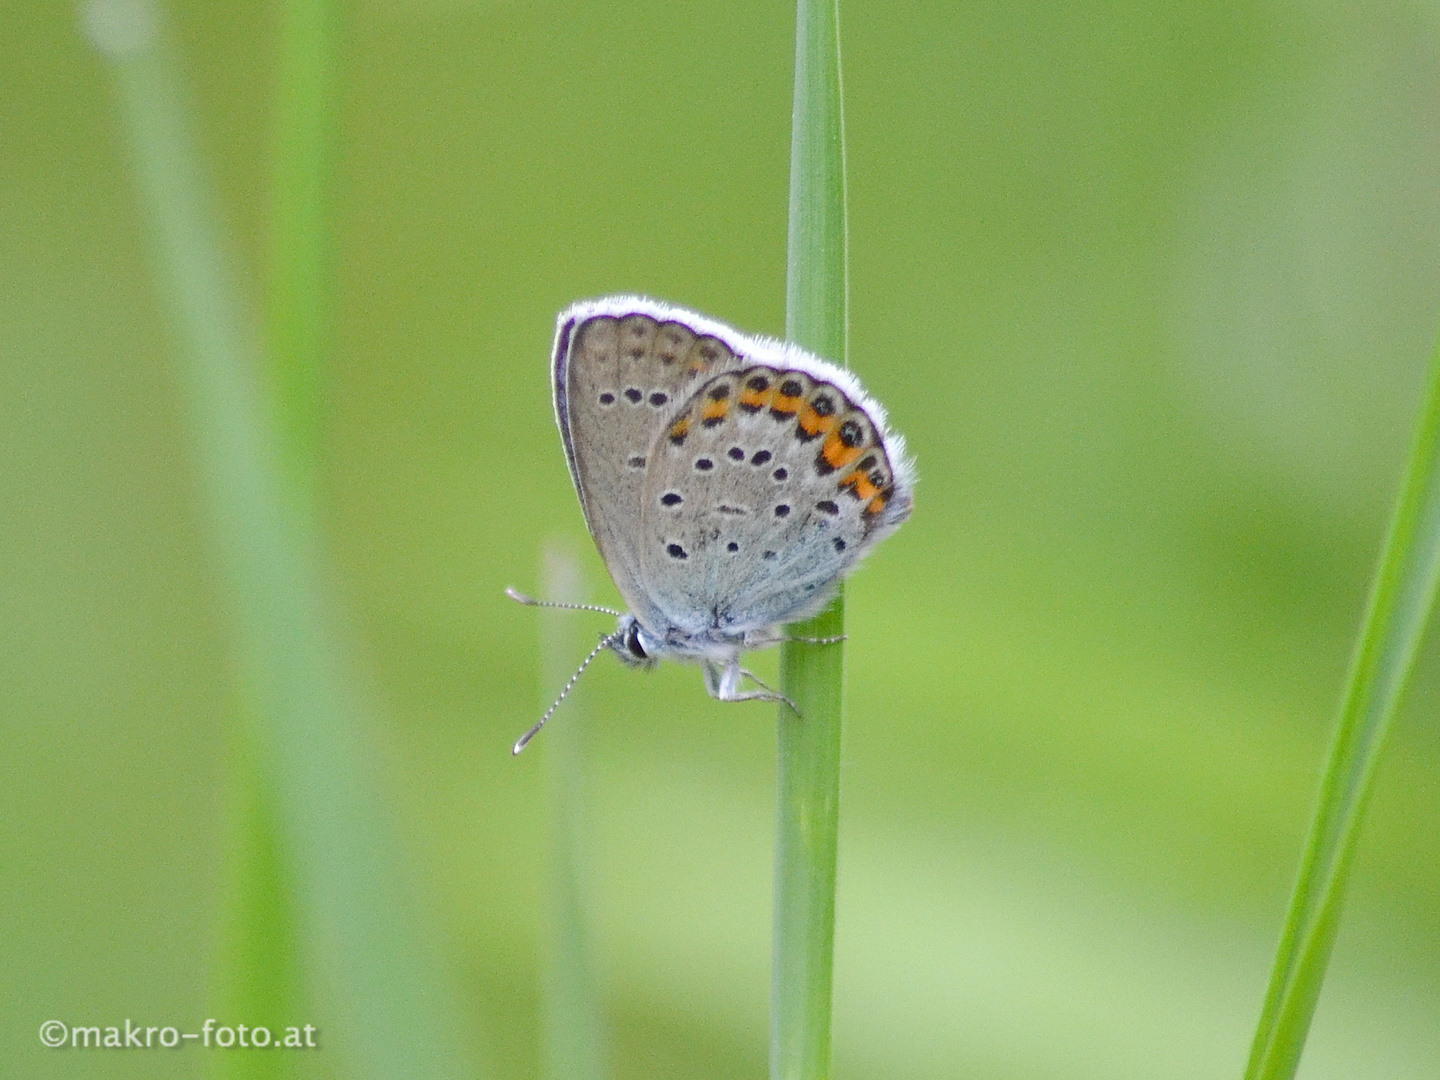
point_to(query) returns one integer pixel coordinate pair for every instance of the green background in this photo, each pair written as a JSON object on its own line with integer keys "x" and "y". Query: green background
{"x": 1148, "y": 288}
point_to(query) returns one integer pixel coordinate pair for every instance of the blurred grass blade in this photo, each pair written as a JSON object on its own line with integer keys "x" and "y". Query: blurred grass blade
{"x": 574, "y": 1037}
{"x": 808, "y": 745}
{"x": 258, "y": 973}
{"x": 1400, "y": 603}
{"x": 384, "y": 1005}
{"x": 300, "y": 251}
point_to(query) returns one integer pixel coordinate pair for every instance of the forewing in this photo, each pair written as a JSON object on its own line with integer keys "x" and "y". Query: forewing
{"x": 766, "y": 488}
{"x": 619, "y": 377}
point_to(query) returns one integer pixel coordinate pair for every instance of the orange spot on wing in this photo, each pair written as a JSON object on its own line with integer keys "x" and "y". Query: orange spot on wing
{"x": 755, "y": 400}
{"x": 859, "y": 486}
{"x": 785, "y": 404}
{"x": 837, "y": 454}
{"x": 715, "y": 411}
{"x": 813, "y": 424}
{"x": 876, "y": 505}
{"x": 680, "y": 429}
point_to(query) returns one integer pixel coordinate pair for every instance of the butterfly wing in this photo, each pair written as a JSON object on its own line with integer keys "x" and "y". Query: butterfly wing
{"x": 621, "y": 367}
{"x": 768, "y": 486}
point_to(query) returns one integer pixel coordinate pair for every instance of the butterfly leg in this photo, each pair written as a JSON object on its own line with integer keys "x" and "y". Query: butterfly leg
{"x": 724, "y": 684}
{"x": 818, "y": 640}
{"x": 769, "y": 694}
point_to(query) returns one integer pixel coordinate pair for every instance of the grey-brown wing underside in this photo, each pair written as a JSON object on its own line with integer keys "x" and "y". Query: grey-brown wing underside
{"x": 618, "y": 381}
{"x": 765, "y": 490}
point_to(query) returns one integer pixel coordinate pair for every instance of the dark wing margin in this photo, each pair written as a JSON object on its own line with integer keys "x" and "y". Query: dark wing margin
{"x": 560, "y": 368}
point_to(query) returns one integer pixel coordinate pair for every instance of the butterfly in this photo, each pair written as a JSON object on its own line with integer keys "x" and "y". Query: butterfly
{"x": 730, "y": 482}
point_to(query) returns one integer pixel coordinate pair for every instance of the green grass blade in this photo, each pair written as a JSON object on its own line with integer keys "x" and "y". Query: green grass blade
{"x": 384, "y": 1006}
{"x": 574, "y": 1036}
{"x": 1400, "y": 603}
{"x": 300, "y": 250}
{"x": 808, "y": 746}
{"x": 259, "y": 973}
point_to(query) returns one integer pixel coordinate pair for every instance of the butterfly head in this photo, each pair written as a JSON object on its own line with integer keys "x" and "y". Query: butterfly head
{"x": 635, "y": 645}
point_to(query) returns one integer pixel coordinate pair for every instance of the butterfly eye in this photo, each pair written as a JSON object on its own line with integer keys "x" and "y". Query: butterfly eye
{"x": 633, "y": 646}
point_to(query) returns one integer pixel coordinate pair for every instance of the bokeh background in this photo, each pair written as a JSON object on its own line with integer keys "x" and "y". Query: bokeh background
{"x": 1149, "y": 287}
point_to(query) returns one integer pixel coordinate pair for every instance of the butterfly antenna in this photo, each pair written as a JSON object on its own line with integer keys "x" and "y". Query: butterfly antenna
{"x": 529, "y": 601}
{"x": 524, "y": 740}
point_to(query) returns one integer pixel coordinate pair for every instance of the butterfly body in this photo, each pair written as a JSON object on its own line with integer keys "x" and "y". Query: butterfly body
{"x": 730, "y": 481}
